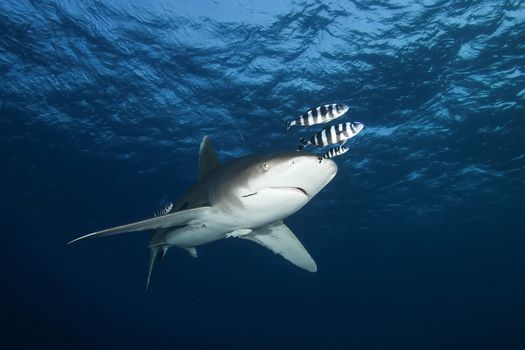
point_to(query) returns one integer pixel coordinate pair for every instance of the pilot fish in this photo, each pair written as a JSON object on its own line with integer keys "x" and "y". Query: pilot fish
{"x": 333, "y": 152}
{"x": 166, "y": 210}
{"x": 319, "y": 115}
{"x": 332, "y": 135}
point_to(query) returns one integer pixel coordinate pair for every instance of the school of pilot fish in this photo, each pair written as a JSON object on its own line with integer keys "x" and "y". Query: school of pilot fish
{"x": 334, "y": 135}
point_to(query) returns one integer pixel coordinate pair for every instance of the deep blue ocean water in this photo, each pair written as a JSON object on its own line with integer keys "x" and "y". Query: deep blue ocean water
{"x": 419, "y": 238}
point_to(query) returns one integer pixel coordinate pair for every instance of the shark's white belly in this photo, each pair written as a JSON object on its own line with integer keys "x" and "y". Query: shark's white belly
{"x": 194, "y": 236}
{"x": 264, "y": 208}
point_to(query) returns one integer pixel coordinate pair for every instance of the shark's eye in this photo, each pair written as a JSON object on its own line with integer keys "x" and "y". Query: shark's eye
{"x": 266, "y": 166}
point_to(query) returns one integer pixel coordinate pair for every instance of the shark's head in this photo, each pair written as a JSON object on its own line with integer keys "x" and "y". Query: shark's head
{"x": 277, "y": 185}
{"x": 300, "y": 172}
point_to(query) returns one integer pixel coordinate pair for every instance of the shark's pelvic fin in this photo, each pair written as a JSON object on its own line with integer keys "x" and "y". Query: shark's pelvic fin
{"x": 187, "y": 217}
{"x": 280, "y": 239}
{"x": 191, "y": 250}
{"x": 207, "y": 157}
{"x": 164, "y": 251}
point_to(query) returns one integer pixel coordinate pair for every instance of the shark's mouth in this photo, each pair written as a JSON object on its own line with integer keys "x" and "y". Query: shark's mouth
{"x": 299, "y": 189}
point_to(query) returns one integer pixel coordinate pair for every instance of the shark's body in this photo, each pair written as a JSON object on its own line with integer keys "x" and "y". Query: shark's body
{"x": 246, "y": 198}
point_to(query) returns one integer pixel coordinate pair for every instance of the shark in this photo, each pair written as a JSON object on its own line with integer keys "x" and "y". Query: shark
{"x": 246, "y": 198}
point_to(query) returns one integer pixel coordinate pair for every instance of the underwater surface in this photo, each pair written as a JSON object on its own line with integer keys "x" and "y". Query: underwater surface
{"x": 418, "y": 239}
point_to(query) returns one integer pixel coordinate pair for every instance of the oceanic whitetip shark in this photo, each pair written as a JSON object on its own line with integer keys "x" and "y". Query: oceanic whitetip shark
{"x": 246, "y": 198}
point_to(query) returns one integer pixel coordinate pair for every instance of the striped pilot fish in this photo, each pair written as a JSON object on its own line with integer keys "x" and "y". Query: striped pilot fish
{"x": 333, "y": 134}
{"x": 333, "y": 152}
{"x": 319, "y": 115}
{"x": 166, "y": 210}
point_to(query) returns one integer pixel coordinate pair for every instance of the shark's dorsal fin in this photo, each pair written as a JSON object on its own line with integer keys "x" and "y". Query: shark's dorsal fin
{"x": 280, "y": 239}
{"x": 207, "y": 157}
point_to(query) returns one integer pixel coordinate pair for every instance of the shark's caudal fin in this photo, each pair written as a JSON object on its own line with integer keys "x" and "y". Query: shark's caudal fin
{"x": 157, "y": 253}
{"x": 187, "y": 217}
{"x": 155, "y": 250}
{"x": 280, "y": 239}
{"x": 207, "y": 157}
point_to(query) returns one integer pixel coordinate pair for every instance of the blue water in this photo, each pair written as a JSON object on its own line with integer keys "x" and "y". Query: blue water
{"x": 419, "y": 238}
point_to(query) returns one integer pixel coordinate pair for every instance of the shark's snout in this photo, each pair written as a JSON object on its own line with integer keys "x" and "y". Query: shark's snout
{"x": 326, "y": 167}
{"x": 330, "y": 165}
{"x": 311, "y": 175}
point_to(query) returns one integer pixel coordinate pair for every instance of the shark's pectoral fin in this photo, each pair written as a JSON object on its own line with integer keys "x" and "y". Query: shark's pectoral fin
{"x": 194, "y": 216}
{"x": 280, "y": 239}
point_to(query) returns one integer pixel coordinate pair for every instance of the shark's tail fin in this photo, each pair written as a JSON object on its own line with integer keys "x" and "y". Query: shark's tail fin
{"x": 288, "y": 124}
{"x": 302, "y": 143}
{"x": 157, "y": 252}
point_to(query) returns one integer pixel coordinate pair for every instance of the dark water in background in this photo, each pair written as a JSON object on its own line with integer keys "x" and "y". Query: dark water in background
{"x": 419, "y": 239}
